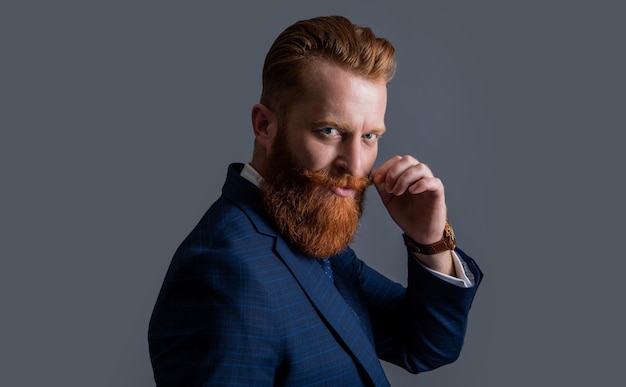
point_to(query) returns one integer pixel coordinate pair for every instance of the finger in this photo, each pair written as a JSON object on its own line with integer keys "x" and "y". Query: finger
{"x": 407, "y": 179}
{"x": 432, "y": 184}
{"x": 396, "y": 165}
{"x": 405, "y": 173}
{"x": 378, "y": 176}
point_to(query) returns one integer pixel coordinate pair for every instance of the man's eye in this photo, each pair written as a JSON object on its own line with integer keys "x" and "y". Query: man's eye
{"x": 370, "y": 136}
{"x": 329, "y": 131}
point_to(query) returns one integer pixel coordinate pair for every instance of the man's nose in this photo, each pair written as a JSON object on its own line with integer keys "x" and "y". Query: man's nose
{"x": 350, "y": 158}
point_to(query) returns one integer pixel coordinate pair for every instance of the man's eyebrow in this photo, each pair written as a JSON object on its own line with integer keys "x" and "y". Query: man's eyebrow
{"x": 335, "y": 124}
{"x": 327, "y": 123}
{"x": 379, "y": 131}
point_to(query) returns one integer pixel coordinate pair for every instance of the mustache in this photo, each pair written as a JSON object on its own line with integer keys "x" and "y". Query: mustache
{"x": 325, "y": 178}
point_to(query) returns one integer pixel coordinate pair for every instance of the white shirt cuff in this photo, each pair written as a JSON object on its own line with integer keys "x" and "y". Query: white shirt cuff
{"x": 466, "y": 279}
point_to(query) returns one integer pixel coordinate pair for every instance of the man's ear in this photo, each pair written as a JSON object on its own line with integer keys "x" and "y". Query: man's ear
{"x": 264, "y": 125}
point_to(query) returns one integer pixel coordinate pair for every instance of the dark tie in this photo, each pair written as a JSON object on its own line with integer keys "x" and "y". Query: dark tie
{"x": 326, "y": 267}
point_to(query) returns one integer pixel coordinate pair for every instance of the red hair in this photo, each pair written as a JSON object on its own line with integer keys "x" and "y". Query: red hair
{"x": 332, "y": 39}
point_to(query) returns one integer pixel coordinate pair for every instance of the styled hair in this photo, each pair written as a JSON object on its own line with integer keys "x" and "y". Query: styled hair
{"x": 329, "y": 39}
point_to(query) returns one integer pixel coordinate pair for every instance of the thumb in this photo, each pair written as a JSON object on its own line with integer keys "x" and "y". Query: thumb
{"x": 384, "y": 195}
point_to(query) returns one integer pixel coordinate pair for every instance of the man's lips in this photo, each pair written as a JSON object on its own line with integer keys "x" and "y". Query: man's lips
{"x": 343, "y": 191}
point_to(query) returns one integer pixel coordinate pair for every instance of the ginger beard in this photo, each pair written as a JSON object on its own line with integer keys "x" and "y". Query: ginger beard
{"x": 313, "y": 218}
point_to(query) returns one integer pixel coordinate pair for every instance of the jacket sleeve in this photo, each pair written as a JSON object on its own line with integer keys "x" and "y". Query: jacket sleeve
{"x": 211, "y": 324}
{"x": 422, "y": 326}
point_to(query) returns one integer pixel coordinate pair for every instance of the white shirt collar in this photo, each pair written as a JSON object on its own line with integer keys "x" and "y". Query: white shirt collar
{"x": 251, "y": 174}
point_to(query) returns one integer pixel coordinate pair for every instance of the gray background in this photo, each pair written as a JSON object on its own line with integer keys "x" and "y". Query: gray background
{"x": 118, "y": 120}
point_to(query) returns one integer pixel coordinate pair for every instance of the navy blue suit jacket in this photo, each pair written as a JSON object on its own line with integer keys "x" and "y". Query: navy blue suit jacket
{"x": 240, "y": 306}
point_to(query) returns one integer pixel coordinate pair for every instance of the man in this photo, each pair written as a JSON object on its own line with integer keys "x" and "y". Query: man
{"x": 265, "y": 290}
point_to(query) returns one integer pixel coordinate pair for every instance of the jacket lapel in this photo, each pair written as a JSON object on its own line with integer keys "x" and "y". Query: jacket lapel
{"x": 333, "y": 308}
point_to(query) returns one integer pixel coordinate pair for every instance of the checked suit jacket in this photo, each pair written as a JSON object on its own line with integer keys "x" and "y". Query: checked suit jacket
{"x": 240, "y": 307}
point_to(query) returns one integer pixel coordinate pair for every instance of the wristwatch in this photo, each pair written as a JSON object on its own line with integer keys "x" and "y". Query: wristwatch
{"x": 447, "y": 242}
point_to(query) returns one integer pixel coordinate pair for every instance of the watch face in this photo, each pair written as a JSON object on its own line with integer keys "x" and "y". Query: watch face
{"x": 448, "y": 232}
{"x": 449, "y": 236}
